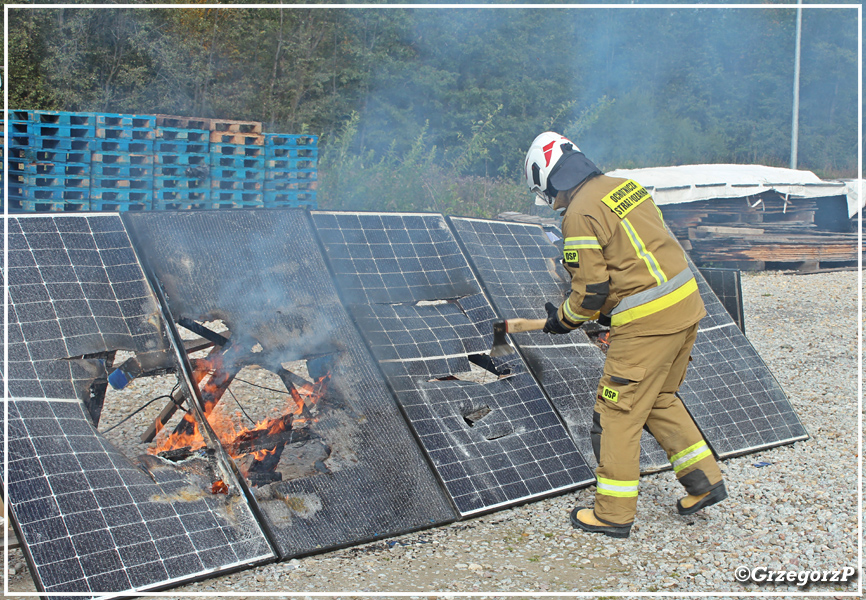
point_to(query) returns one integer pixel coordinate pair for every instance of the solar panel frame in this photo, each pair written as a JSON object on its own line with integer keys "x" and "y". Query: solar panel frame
{"x": 421, "y": 333}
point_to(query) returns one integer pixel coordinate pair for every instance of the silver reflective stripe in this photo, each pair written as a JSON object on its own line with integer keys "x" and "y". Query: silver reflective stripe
{"x": 654, "y": 293}
{"x": 682, "y": 461}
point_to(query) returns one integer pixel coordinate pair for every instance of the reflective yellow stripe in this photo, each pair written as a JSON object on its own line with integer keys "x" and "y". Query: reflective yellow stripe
{"x": 656, "y": 305}
{"x": 642, "y": 252}
{"x": 582, "y": 242}
{"x": 613, "y": 487}
{"x": 571, "y": 315}
{"x": 690, "y": 456}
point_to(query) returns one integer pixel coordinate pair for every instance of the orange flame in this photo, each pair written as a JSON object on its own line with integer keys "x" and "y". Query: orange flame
{"x": 300, "y": 402}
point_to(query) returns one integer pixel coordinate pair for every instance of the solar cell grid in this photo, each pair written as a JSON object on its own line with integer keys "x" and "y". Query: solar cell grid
{"x": 422, "y": 335}
{"x": 94, "y": 522}
{"x": 729, "y": 390}
{"x": 75, "y": 288}
{"x": 279, "y": 295}
{"x": 520, "y": 269}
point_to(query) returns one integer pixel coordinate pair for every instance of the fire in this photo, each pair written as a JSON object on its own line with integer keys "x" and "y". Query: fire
{"x": 300, "y": 403}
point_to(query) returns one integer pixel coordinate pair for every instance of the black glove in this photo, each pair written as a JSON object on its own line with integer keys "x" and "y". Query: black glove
{"x": 603, "y": 319}
{"x": 553, "y": 324}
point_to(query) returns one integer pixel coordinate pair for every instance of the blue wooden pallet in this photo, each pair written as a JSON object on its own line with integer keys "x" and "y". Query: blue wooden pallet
{"x": 274, "y": 154}
{"x": 125, "y": 121}
{"x": 20, "y": 128}
{"x": 236, "y": 185}
{"x": 238, "y": 199}
{"x": 103, "y": 146}
{"x": 48, "y": 194}
{"x": 236, "y": 150}
{"x": 178, "y": 122}
{"x": 24, "y": 205}
{"x": 53, "y": 117}
{"x": 40, "y": 169}
{"x": 281, "y": 140}
{"x": 122, "y": 158}
{"x": 295, "y": 198}
{"x": 64, "y": 157}
{"x": 291, "y": 164}
{"x": 111, "y": 184}
{"x": 175, "y": 184}
{"x": 229, "y": 161}
{"x": 113, "y": 205}
{"x": 51, "y": 143}
{"x": 196, "y": 136}
{"x": 52, "y": 181}
{"x": 184, "y": 159}
{"x": 122, "y": 171}
{"x": 180, "y": 147}
{"x": 121, "y": 195}
{"x": 109, "y": 133}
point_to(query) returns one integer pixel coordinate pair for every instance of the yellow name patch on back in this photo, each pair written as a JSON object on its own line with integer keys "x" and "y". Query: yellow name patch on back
{"x": 626, "y": 198}
{"x": 610, "y": 394}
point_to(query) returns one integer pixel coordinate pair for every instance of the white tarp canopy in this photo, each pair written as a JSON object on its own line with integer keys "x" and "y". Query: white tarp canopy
{"x": 691, "y": 183}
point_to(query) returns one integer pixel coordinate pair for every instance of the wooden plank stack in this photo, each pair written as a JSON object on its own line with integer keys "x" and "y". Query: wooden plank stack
{"x": 759, "y": 232}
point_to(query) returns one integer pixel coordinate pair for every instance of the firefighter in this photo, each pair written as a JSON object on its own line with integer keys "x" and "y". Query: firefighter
{"x": 625, "y": 265}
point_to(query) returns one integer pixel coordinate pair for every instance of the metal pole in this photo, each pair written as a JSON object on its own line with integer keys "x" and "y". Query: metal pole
{"x": 795, "y": 119}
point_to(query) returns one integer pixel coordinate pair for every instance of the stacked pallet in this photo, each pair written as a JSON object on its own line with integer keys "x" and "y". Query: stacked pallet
{"x": 62, "y": 161}
{"x": 290, "y": 170}
{"x": 182, "y": 174}
{"x": 49, "y": 160}
{"x": 122, "y": 163}
{"x": 760, "y": 232}
{"x": 237, "y": 164}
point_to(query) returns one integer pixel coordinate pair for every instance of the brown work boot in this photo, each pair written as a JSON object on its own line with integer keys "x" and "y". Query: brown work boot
{"x": 692, "y": 504}
{"x": 584, "y": 518}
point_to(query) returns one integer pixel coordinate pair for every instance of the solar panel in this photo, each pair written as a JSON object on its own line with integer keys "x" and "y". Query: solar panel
{"x": 75, "y": 289}
{"x": 360, "y": 474}
{"x": 732, "y": 395}
{"x": 520, "y": 268}
{"x": 420, "y": 308}
{"x": 92, "y": 521}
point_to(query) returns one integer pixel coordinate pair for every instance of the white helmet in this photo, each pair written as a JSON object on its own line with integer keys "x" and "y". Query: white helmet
{"x": 554, "y": 163}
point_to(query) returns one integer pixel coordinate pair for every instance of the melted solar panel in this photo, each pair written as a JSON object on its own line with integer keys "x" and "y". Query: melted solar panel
{"x": 419, "y": 306}
{"x": 520, "y": 269}
{"x": 360, "y": 475}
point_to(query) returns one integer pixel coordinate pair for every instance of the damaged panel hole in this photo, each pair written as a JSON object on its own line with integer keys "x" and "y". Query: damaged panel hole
{"x": 492, "y": 430}
{"x": 279, "y": 420}
{"x": 482, "y": 370}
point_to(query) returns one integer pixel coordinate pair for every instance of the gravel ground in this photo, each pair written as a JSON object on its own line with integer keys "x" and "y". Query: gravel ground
{"x": 796, "y": 513}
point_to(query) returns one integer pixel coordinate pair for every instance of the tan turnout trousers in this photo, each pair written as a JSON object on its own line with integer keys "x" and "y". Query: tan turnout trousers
{"x": 641, "y": 376}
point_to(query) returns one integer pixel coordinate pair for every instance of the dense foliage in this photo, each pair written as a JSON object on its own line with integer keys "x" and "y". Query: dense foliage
{"x": 433, "y": 108}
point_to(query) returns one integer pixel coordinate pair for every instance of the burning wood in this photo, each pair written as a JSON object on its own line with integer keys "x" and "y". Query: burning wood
{"x": 272, "y": 435}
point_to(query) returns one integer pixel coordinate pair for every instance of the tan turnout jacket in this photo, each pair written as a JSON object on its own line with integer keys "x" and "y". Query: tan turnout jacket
{"x": 623, "y": 262}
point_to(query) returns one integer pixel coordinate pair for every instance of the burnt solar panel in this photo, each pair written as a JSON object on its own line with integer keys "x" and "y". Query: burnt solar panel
{"x": 519, "y": 267}
{"x": 93, "y": 522}
{"x": 75, "y": 289}
{"x": 360, "y": 475}
{"x": 491, "y": 443}
{"x": 727, "y": 287}
{"x": 732, "y": 395}
{"x": 90, "y": 519}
